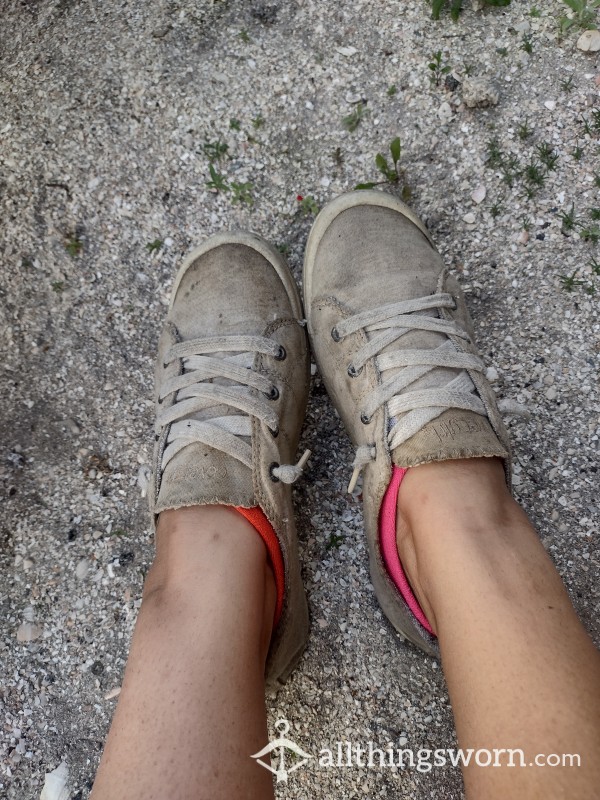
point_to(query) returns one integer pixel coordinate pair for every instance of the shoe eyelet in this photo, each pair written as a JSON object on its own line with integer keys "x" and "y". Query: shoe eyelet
{"x": 159, "y": 400}
{"x": 156, "y": 437}
{"x": 281, "y": 355}
{"x": 364, "y": 418}
{"x": 335, "y": 335}
{"x": 273, "y": 466}
{"x": 274, "y": 433}
{"x": 273, "y": 394}
{"x": 353, "y": 372}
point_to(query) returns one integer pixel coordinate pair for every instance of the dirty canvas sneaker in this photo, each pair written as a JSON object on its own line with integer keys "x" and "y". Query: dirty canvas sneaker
{"x": 394, "y": 345}
{"x": 232, "y": 381}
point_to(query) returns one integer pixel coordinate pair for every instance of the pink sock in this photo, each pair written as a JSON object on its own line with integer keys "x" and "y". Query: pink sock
{"x": 389, "y": 547}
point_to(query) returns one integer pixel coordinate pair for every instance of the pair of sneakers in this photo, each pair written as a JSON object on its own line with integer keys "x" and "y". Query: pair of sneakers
{"x": 393, "y": 341}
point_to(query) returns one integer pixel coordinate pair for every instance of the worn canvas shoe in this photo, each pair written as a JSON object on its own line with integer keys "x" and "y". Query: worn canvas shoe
{"x": 394, "y": 344}
{"x": 232, "y": 381}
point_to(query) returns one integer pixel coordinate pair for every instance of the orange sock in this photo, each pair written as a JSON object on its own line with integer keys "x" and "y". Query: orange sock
{"x": 256, "y": 517}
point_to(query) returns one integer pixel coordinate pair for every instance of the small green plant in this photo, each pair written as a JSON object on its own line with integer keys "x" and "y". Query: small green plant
{"x": 244, "y": 36}
{"x": 392, "y": 90}
{"x": 284, "y": 248}
{"x": 535, "y": 12}
{"x": 338, "y": 156}
{"x": 437, "y": 69}
{"x": 456, "y": 6}
{"x": 534, "y": 176}
{"x": 511, "y": 170}
{"x": 152, "y": 247}
{"x": 308, "y": 205}
{"x": 524, "y": 130}
{"x": 547, "y": 155}
{"x": 526, "y": 44}
{"x": 258, "y": 121}
{"x": 334, "y": 542}
{"x": 526, "y": 224}
{"x": 73, "y": 246}
{"x": 353, "y": 120}
{"x": 216, "y": 150}
{"x": 584, "y": 14}
{"x": 597, "y": 180}
{"x": 235, "y": 125}
{"x": 494, "y": 153}
{"x": 58, "y": 286}
{"x": 502, "y": 51}
{"x": 390, "y": 172}
{"x": 569, "y": 282}
{"x": 595, "y": 214}
{"x": 567, "y": 84}
{"x": 568, "y": 219}
{"x": 217, "y": 181}
{"x": 577, "y": 153}
{"x": 591, "y": 234}
{"x": 495, "y": 210}
{"x": 595, "y": 266}
{"x": 241, "y": 193}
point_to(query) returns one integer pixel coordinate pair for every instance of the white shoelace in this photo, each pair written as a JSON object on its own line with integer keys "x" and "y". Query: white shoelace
{"x": 390, "y": 323}
{"x": 196, "y": 396}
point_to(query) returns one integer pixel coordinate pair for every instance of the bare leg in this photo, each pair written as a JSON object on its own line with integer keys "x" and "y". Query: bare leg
{"x": 521, "y": 670}
{"x": 192, "y": 708}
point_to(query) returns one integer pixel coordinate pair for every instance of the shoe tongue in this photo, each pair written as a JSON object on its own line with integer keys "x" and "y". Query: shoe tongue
{"x": 200, "y": 475}
{"x": 454, "y": 434}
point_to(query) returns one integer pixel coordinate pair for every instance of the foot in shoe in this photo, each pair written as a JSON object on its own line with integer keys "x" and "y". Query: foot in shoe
{"x": 394, "y": 344}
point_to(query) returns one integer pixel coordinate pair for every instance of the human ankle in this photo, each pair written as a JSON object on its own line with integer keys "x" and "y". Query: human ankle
{"x": 465, "y": 493}
{"x": 211, "y": 550}
{"x": 441, "y": 508}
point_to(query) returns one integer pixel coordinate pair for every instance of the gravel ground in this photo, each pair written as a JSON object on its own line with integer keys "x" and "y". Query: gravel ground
{"x": 107, "y": 111}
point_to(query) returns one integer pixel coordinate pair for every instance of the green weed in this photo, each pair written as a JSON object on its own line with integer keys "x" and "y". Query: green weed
{"x": 353, "y": 120}
{"x": 308, "y": 205}
{"x": 456, "y": 6}
{"x": 584, "y": 14}
{"x": 242, "y": 193}
{"x": 390, "y": 172}
{"x": 216, "y": 150}
{"x": 436, "y": 69}
{"x": 73, "y": 246}
{"x": 569, "y": 282}
{"x": 568, "y": 219}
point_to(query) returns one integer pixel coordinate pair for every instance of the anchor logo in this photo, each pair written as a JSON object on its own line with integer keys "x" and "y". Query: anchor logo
{"x": 281, "y": 744}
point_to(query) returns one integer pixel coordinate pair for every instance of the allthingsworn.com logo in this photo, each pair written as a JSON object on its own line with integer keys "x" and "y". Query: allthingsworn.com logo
{"x": 282, "y": 756}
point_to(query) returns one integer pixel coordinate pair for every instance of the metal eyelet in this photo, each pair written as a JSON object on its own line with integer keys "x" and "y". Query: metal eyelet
{"x": 159, "y": 400}
{"x": 335, "y": 335}
{"x": 273, "y": 394}
{"x": 281, "y": 355}
{"x": 353, "y": 372}
{"x": 273, "y": 466}
{"x": 364, "y": 418}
